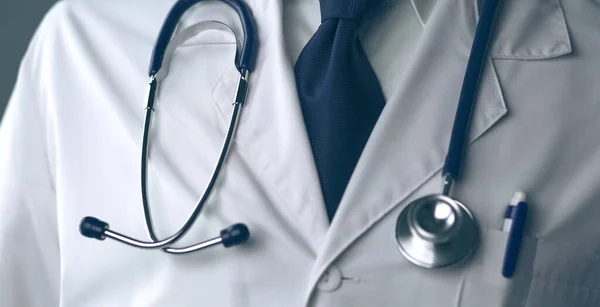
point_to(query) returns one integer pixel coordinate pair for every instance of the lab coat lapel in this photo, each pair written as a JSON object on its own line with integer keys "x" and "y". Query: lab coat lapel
{"x": 408, "y": 145}
{"x": 271, "y": 135}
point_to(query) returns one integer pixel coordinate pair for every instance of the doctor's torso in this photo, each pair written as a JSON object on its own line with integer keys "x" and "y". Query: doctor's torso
{"x": 535, "y": 128}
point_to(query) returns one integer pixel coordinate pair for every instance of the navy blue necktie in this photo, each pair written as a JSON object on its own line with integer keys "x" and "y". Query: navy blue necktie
{"x": 340, "y": 95}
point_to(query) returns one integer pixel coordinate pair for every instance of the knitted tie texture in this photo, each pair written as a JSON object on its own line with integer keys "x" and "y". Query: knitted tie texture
{"x": 340, "y": 95}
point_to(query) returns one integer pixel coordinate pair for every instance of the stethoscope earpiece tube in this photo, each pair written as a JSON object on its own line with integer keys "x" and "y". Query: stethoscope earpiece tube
{"x": 94, "y": 228}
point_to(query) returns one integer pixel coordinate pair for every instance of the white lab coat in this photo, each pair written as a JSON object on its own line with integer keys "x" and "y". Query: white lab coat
{"x": 70, "y": 147}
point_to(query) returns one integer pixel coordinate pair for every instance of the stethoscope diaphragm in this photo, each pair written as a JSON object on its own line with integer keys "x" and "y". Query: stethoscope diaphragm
{"x": 436, "y": 231}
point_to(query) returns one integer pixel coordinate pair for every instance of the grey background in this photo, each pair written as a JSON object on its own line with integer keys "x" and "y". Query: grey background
{"x": 18, "y": 21}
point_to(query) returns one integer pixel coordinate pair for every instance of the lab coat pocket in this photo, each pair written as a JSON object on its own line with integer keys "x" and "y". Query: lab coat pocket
{"x": 483, "y": 283}
{"x": 530, "y": 30}
{"x": 565, "y": 275}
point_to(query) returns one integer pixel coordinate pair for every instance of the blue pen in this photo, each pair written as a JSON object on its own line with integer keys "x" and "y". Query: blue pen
{"x": 517, "y": 210}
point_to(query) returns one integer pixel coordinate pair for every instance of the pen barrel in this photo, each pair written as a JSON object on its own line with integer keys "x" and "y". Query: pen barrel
{"x": 515, "y": 236}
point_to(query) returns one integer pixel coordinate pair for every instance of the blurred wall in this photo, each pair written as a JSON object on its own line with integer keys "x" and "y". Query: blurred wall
{"x": 18, "y": 21}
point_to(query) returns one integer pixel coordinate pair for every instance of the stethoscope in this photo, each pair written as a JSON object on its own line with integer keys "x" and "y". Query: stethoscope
{"x": 244, "y": 61}
{"x": 432, "y": 231}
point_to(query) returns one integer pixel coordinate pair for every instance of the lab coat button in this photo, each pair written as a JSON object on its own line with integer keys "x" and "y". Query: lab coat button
{"x": 330, "y": 280}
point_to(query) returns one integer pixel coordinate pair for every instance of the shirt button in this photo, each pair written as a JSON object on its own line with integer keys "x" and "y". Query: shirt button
{"x": 330, "y": 280}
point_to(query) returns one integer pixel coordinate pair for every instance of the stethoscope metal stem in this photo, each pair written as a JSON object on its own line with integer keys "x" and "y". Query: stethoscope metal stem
{"x": 447, "y": 185}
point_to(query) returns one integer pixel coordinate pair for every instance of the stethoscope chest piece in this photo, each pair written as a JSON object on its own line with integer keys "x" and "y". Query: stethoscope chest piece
{"x": 436, "y": 231}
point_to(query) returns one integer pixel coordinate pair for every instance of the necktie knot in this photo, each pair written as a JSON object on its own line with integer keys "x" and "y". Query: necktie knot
{"x": 356, "y": 10}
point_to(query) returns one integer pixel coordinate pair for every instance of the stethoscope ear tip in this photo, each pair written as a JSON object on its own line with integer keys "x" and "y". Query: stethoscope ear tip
{"x": 235, "y": 235}
{"x": 92, "y": 227}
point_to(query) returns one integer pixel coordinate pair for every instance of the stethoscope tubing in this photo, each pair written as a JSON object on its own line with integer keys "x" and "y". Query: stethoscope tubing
{"x": 247, "y": 60}
{"x": 468, "y": 93}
